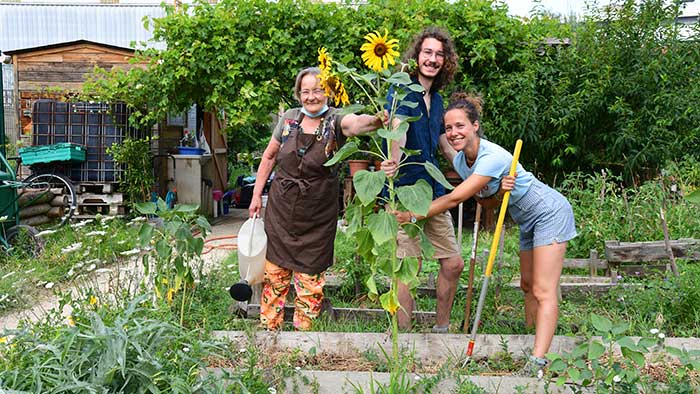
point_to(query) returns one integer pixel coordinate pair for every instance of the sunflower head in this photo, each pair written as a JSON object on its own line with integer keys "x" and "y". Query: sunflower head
{"x": 379, "y": 51}
{"x": 324, "y": 60}
{"x": 334, "y": 88}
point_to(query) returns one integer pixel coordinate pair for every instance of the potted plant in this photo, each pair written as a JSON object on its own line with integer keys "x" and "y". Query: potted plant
{"x": 360, "y": 159}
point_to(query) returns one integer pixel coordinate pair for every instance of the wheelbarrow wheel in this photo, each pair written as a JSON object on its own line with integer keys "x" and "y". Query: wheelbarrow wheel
{"x": 65, "y": 201}
{"x": 24, "y": 241}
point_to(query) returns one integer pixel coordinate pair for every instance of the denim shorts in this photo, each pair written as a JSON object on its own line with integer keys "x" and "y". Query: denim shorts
{"x": 544, "y": 217}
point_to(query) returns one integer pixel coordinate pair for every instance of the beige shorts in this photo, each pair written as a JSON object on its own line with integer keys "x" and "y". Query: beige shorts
{"x": 441, "y": 233}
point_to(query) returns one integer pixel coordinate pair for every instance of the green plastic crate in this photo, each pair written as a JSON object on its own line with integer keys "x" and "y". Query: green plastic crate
{"x": 50, "y": 153}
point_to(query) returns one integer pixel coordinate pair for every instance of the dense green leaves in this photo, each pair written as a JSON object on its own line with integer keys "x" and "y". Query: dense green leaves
{"x": 616, "y": 89}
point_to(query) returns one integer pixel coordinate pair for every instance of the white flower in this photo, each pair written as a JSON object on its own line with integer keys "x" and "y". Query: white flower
{"x": 662, "y": 335}
{"x": 49, "y": 285}
{"x": 72, "y": 248}
{"x": 45, "y": 232}
{"x": 185, "y": 349}
{"x": 617, "y": 379}
{"x": 81, "y": 224}
{"x": 654, "y": 331}
{"x": 94, "y": 233}
{"x": 106, "y": 219}
{"x": 130, "y": 252}
{"x": 3, "y": 219}
{"x": 137, "y": 219}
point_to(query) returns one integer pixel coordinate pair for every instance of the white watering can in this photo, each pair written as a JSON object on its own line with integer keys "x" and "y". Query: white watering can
{"x": 252, "y": 245}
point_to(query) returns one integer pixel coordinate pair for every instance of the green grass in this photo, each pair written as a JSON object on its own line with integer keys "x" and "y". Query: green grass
{"x": 101, "y": 241}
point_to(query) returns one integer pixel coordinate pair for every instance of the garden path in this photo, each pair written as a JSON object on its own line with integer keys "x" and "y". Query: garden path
{"x": 125, "y": 274}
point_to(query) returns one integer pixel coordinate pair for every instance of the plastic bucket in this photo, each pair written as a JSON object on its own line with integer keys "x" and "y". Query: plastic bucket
{"x": 252, "y": 245}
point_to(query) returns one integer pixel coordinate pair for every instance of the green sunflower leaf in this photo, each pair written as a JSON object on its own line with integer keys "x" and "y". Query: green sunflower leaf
{"x": 343, "y": 153}
{"x": 368, "y": 185}
{"x": 400, "y": 78}
{"x": 383, "y": 226}
{"x": 351, "y": 109}
{"x": 417, "y": 197}
{"x": 437, "y": 175}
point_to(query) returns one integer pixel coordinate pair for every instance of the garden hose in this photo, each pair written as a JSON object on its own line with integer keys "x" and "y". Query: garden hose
{"x": 493, "y": 252}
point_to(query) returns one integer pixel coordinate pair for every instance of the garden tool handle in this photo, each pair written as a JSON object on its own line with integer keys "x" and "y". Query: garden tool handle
{"x": 502, "y": 212}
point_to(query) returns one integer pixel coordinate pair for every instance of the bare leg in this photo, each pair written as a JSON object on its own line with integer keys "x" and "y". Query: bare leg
{"x": 405, "y": 312}
{"x": 450, "y": 270}
{"x": 547, "y": 265}
{"x": 526, "y": 275}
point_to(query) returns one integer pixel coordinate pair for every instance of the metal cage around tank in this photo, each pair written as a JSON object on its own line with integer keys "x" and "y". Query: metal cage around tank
{"x": 96, "y": 126}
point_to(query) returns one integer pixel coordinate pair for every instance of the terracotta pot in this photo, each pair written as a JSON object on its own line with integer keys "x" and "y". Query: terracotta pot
{"x": 357, "y": 165}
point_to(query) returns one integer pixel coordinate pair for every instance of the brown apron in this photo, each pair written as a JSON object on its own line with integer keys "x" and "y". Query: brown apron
{"x": 302, "y": 209}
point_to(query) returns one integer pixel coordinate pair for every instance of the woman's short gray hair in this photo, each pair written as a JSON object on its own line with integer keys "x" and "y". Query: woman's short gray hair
{"x": 300, "y": 76}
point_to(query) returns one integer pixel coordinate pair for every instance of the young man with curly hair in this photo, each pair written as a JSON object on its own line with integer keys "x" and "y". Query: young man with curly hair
{"x": 436, "y": 62}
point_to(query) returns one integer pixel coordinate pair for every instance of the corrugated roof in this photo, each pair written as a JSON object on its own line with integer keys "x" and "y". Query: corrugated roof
{"x": 27, "y": 25}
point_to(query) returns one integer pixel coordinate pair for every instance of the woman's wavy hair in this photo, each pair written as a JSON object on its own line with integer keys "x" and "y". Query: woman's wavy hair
{"x": 471, "y": 104}
{"x": 449, "y": 66}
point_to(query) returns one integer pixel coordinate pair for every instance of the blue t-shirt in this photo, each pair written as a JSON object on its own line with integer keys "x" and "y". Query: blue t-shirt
{"x": 493, "y": 161}
{"x": 423, "y": 135}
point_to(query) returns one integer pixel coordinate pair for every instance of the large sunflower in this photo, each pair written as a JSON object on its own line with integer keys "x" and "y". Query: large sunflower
{"x": 379, "y": 51}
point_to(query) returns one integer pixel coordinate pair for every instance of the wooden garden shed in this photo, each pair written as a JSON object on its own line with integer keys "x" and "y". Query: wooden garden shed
{"x": 59, "y": 70}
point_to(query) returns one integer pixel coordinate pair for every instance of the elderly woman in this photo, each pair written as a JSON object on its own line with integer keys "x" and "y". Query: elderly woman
{"x": 302, "y": 207}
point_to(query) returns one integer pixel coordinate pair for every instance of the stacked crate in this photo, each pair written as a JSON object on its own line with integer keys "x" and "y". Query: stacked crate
{"x": 96, "y": 126}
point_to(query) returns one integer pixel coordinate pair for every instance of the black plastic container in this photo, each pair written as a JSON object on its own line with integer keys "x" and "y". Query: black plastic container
{"x": 94, "y": 125}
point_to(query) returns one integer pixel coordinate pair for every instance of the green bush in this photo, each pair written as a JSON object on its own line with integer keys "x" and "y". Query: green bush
{"x": 615, "y": 90}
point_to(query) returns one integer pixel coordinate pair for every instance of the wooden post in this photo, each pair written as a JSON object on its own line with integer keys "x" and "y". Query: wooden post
{"x": 667, "y": 243}
{"x": 593, "y": 262}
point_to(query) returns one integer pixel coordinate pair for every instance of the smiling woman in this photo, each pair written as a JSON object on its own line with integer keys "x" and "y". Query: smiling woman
{"x": 301, "y": 216}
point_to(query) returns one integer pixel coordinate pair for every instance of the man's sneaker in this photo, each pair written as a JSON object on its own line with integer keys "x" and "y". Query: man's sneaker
{"x": 440, "y": 329}
{"x": 534, "y": 368}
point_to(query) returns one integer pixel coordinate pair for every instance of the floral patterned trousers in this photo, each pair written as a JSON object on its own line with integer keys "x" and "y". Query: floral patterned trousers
{"x": 309, "y": 289}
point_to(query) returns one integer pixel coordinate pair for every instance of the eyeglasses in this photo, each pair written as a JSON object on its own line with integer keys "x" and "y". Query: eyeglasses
{"x": 429, "y": 53}
{"x": 315, "y": 92}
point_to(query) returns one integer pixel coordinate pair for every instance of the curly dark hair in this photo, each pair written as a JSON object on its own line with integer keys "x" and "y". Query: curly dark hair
{"x": 449, "y": 66}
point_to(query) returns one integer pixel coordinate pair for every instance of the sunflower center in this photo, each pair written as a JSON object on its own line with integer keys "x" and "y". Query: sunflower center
{"x": 380, "y": 50}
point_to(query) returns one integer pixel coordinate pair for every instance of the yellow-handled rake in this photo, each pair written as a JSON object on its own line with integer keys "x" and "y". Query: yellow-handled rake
{"x": 492, "y": 253}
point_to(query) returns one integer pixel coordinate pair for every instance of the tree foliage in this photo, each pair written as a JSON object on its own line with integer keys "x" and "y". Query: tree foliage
{"x": 616, "y": 89}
